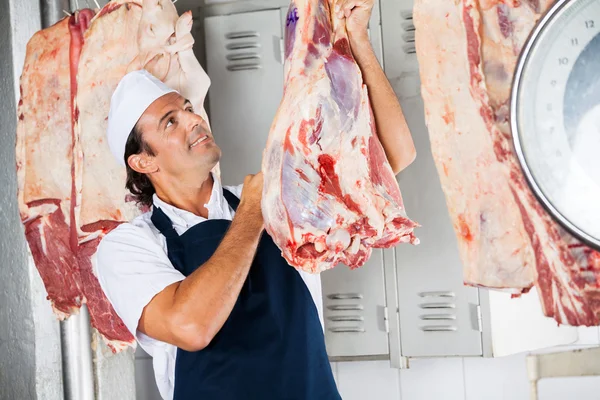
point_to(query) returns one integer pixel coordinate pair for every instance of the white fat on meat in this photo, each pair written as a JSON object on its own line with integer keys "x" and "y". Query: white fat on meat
{"x": 110, "y": 45}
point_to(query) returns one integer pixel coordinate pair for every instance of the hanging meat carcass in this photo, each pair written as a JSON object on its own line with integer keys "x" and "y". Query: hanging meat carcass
{"x": 467, "y": 53}
{"x": 329, "y": 193}
{"x": 71, "y": 191}
{"x": 46, "y": 170}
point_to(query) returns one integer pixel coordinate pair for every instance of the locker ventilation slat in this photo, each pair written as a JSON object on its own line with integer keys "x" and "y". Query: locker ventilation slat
{"x": 243, "y": 51}
{"x": 346, "y": 313}
{"x": 242, "y": 45}
{"x": 438, "y": 311}
{"x": 243, "y": 56}
{"x": 241, "y": 35}
{"x": 345, "y": 296}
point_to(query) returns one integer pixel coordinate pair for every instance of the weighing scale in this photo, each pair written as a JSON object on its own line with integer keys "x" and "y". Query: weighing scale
{"x": 555, "y": 115}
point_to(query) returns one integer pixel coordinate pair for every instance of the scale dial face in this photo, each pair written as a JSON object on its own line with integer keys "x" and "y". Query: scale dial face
{"x": 555, "y": 115}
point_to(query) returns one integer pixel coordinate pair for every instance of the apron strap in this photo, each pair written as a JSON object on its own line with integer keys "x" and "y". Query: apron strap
{"x": 233, "y": 201}
{"x": 174, "y": 244}
{"x": 163, "y": 223}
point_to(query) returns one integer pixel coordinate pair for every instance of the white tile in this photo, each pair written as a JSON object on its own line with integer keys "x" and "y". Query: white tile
{"x": 366, "y": 380}
{"x": 576, "y": 388}
{"x": 502, "y": 378}
{"x": 145, "y": 384}
{"x": 588, "y": 335}
{"x": 433, "y": 379}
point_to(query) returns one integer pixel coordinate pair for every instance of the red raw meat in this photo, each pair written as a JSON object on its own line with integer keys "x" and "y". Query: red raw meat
{"x": 329, "y": 193}
{"x": 102, "y": 315}
{"x": 467, "y": 53}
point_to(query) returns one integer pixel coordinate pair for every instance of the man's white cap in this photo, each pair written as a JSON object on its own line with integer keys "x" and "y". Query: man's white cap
{"x": 133, "y": 95}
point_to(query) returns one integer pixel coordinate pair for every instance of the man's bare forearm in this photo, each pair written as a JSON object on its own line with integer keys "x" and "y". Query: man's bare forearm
{"x": 392, "y": 128}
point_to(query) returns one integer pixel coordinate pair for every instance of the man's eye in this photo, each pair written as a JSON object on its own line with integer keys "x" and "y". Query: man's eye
{"x": 170, "y": 122}
{"x": 190, "y": 109}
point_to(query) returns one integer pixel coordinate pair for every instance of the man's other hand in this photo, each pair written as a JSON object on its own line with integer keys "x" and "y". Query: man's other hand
{"x": 357, "y": 14}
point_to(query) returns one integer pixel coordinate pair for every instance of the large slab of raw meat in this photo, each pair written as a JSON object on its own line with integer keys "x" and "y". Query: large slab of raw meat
{"x": 46, "y": 170}
{"x": 329, "y": 193}
{"x": 71, "y": 190}
{"x": 467, "y": 53}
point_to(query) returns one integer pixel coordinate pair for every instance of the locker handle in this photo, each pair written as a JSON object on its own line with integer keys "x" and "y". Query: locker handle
{"x": 437, "y": 305}
{"x": 346, "y": 307}
{"x": 342, "y": 318}
{"x": 445, "y": 293}
{"x": 438, "y": 328}
{"x": 438, "y": 317}
{"x": 345, "y": 296}
{"x": 239, "y": 35}
{"x": 345, "y": 330}
{"x": 242, "y": 67}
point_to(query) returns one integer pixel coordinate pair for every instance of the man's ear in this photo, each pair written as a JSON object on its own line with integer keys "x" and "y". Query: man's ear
{"x": 142, "y": 163}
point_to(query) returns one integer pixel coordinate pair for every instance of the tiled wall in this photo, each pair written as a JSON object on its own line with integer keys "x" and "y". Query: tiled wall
{"x": 436, "y": 379}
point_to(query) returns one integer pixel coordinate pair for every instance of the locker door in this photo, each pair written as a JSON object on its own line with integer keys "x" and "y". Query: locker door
{"x": 438, "y": 315}
{"x": 354, "y": 310}
{"x": 242, "y": 52}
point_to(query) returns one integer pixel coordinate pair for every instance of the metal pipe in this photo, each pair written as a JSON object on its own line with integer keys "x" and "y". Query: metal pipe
{"x": 52, "y": 11}
{"x": 75, "y": 336}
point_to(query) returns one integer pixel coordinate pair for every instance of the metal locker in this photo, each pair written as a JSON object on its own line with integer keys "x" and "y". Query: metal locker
{"x": 355, "y": 310}
{"x": 438, "y": 315}
{"x": 354, "y": 301}
{"x": 243, "y": 62}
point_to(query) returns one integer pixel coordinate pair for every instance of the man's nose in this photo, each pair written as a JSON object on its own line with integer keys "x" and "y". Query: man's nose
{"x": 194, "y": 121}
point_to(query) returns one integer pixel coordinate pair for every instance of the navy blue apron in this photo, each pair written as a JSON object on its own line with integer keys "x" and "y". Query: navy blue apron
{"x": 272, "y": 345}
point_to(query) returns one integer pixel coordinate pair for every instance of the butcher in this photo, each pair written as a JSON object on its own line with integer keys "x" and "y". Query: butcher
{"x": 195, "y": 279}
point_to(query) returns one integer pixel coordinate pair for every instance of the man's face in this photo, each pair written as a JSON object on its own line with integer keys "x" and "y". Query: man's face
{"x": 180, "y": 139}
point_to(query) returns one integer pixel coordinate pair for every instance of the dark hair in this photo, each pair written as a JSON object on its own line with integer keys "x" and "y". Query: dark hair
{"x": 137, "y": 183}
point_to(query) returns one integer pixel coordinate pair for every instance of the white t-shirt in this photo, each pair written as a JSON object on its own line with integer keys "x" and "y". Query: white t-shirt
{"x": 132, "y": 267}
